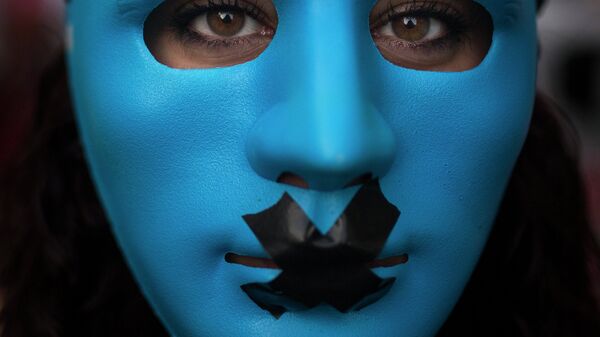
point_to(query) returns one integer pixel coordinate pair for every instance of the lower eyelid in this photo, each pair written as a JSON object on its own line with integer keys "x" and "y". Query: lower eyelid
{"x": 197, "y": 40}
{"x": 444, "y": 44}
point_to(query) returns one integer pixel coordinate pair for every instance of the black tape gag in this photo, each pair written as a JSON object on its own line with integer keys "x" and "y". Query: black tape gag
{"x": 317, "y": 268}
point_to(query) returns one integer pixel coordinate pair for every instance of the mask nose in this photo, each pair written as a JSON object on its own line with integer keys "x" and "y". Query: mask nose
{"x": 327, "y": 131}
{"x": 321, "y": 149}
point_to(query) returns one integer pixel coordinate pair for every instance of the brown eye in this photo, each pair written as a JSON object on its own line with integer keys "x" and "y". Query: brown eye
{"x": 435, "y": 35}
{"x": 411, "y": 28}
{"x": 188, "y": 34}
{"x": 226, "y": 23}
{"x": 217, "y": 24}
{"x": 417, "y": 28}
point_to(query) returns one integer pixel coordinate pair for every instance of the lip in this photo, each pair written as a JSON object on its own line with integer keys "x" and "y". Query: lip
{"x": 261, "y": 262}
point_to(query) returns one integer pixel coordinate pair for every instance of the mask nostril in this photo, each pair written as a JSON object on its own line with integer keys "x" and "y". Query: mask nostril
{"x": 361, "y": 180}
{"x": 293, "y": 180}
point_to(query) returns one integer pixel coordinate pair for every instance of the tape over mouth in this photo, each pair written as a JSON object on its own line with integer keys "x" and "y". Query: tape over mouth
{"x": 261, "y": 262}
{"x": 332, "y": 268}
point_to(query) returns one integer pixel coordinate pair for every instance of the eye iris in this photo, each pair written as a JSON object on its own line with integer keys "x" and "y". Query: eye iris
{"x": 411, "y": 28}
{"x": 226, "y": 23}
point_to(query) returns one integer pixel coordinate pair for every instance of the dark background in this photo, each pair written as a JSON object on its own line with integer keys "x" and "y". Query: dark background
{"x": 569, "y": 73}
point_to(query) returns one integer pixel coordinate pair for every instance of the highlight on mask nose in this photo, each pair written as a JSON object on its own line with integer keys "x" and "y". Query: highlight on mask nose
{"x": 434, "y": 35}
{"x": 189, "y": 34}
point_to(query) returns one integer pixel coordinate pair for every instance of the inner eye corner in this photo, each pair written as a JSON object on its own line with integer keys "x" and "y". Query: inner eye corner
{"x": 171, "y": 40}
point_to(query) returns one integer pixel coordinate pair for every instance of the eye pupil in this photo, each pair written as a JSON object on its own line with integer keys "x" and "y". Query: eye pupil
{"x": 411, "y": 28}
{"x": 226, "y": 17}
{"x": 410, "y": 22}
{"x": 226, "y": 23}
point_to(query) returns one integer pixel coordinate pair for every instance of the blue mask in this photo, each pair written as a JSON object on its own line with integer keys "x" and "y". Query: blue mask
{"x": 186, "y": 161}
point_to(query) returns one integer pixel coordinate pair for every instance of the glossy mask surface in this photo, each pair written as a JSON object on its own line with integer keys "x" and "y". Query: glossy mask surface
{"x": 179, "y": 156}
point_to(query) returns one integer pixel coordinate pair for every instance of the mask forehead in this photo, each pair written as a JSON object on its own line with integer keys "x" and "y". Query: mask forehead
{"x": 136, "y": 11}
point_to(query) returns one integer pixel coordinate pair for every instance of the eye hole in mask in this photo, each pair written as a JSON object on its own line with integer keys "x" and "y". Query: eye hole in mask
{"x": 189, "y": 34}
{"x": 436, "y": 35}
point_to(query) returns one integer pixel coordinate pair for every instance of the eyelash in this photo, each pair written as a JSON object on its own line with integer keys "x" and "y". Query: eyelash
{"x": 183, "y": 17}
{"x": 455, "y": 21}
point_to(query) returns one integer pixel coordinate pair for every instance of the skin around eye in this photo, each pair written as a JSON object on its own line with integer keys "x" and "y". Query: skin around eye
{"x": 434, "y": 35}
{"x": 188, "y": 34}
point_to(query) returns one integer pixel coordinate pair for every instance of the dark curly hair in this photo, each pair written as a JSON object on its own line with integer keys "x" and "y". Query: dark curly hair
{"x": 62, "y": 273}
